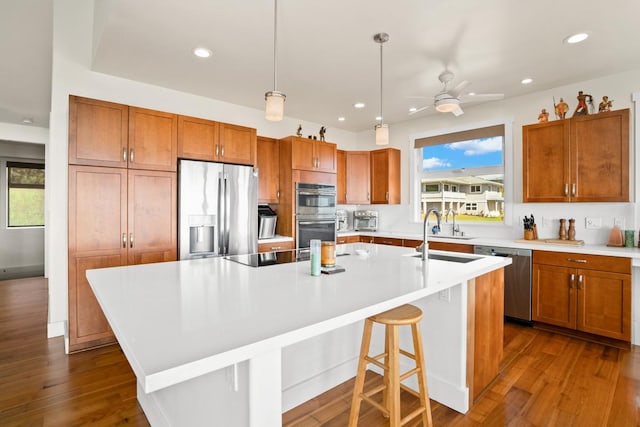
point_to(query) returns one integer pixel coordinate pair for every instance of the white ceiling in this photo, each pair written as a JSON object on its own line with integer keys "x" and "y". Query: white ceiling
{"x": 327, "y": 59}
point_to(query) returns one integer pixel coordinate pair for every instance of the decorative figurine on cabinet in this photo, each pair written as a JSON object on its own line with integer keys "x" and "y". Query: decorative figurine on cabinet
{"x": 299, "y": 132}
{"x": 543, "y": 117}
{"x": 322, "y": 131}
{"x": 605, "y": 105}
{"x": 582, "y": 108}
{"x": 561, "y": 109}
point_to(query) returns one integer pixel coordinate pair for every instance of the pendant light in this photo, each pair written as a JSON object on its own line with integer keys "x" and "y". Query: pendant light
{"x": 274, "y": 110}
{"x": 382, "y": 130}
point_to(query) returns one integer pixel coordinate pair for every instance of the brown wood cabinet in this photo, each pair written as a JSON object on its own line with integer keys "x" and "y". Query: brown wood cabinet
{"x": 114, "y": 135}
{"x": 197, "y": 138}
{"x": 385, "y": 176}
{"x": 276, "y": 246}
{"x": 312, "y": 155}
{"x": 347, "y": 239}
{"x": 116, "y": 217}
{"x": 268, "y": 163}
{"x": 451, "y": 247}
{"x": 200, "y": 139}
{"x": 582, "y": 159}
{"x": 357, "y": 178}
{"x": 341, "y": 177}
{"x": 587, "y": 293}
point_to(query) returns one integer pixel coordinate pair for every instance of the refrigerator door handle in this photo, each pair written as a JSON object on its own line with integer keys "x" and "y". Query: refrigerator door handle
{"x": 227, "y": 214}
{"x": 221, "y": 214}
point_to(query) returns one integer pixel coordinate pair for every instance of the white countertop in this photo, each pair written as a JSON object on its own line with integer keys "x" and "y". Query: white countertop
{"x": 633, "y": 253}
{"x": 275, "y": 239}
{"x": 179, "y": 320}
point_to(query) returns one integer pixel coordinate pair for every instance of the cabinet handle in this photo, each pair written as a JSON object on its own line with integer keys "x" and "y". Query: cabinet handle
{"x": 130, "y": 240}
{"x": 386, "y": 196}
{"x": 217, "y": 150}
{"x": 572, "y": 280}
{"x": 275, "y": 248}
{"x": 131, "y": 155}
{"x": 573, "y": 189}
{"x": 368, "y": 196}
{"x": 124, "y": 154}
{"x": 278, "y": 194}
{"x": 124, "y": 240}
{"x": 222, "y": 151}
{"x": 580, "y": 282}
{"x": 566, "y": 189}
{"x": 581, "y": 261}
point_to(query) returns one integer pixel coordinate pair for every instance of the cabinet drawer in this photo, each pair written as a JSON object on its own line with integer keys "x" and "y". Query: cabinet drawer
{"x": 411, "y": 243}
{"x": 275, "y": 246}
{"x": 584, "y": 261}
{"x": 347, "y": 239}
{"x": 451, "y": 247}
{"x": 387, "y": 241}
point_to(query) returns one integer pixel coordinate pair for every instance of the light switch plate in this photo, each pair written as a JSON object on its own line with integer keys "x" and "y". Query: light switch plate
{"x": 592, "y": 223}
{"x": 619, "y": 221}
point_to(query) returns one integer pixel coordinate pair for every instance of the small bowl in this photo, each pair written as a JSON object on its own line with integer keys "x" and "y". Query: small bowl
{"x": 362, "y": 253}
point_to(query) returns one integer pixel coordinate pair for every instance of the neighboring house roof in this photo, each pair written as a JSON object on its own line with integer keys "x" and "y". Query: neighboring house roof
{"x": 464, "y": 180}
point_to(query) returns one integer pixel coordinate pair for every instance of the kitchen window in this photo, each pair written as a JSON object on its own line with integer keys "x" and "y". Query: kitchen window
{"x": 467, "y": 168}
{"x": 25, "y": 194}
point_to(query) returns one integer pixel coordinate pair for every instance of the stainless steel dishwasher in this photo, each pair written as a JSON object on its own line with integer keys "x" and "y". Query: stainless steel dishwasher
{"x": 517, "y": 281}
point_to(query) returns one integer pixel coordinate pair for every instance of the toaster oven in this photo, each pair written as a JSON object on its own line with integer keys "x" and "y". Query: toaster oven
{"x": 365, "y": 220}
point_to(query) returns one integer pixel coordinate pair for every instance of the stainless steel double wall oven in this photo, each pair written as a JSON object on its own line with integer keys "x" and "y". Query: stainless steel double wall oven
{"x": 315, "y": 213}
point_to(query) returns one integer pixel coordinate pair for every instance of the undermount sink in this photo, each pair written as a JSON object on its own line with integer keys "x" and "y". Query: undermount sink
{"x": 450, "y": 258}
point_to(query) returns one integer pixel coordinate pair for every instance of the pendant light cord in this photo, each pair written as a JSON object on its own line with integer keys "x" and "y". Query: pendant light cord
{"x": 275, "y": 43}
{"x": 381, "y": 119}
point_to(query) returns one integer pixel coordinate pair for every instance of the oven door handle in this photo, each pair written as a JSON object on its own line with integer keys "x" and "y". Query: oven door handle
{"x": 316, "y": 193}
{"x": 316, "y": 222}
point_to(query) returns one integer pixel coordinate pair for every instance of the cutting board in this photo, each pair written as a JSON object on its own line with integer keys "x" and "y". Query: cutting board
{"x": 554, "y": 241}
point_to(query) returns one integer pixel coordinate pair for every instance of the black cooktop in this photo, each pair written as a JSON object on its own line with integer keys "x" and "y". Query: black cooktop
{"x": 270, "y": 258}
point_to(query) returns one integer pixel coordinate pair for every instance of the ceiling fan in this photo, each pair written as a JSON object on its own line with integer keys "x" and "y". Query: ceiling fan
{"x": 449, "y": 100}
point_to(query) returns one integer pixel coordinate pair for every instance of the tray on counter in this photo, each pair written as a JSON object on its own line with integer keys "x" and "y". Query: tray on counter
{"x": 553, "y": 241}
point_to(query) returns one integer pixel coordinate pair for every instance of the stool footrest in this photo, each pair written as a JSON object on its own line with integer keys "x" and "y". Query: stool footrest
{"x": 407, "y": 374}
{"x": 412, "y": 415}
{"x": 406, "y": 353}
{"x": 374, "y": 391}
{"x": 409, "y": 390}
{"x": 381, "y": 408}
{"x": 375, "y": 360}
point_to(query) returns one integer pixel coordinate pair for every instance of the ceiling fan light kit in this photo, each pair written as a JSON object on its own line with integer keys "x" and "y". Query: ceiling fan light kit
{"x": 382, "y": 129}
{"x": 274, "y": 108}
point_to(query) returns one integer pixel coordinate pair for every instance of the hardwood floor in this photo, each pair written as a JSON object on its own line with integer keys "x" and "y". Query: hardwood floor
{"x": 546, "y": 380}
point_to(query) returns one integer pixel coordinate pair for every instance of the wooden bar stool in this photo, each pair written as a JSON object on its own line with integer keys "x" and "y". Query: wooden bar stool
{"x": 392, "y": 319}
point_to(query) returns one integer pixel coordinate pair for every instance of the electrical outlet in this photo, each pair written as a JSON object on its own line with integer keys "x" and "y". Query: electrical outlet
{"x": 592, "y": 223}
{"x": 619, "y": 221}
{"x": 445, "y": 295}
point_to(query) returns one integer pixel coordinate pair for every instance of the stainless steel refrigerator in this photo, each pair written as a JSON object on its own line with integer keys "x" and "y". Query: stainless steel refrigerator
{"x": 218, "y": 210}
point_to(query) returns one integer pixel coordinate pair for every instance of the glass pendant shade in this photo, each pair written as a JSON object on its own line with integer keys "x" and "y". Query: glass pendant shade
{"x": 274, "y": 110}
{"x": 382, "y": 134}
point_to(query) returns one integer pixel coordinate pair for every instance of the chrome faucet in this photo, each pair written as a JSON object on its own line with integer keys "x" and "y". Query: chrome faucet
{"x": 425, "y": 242}
{"x": 454, "y": 230}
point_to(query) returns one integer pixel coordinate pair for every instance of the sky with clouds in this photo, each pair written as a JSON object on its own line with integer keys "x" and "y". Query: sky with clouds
{"x": 464, "y": 154}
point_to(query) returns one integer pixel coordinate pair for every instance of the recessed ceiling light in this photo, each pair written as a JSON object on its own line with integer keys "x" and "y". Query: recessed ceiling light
{"x": 378, "y": 118}
{"x": 576, "y": 38}
{"x": 413, "y": 109}
{"x": 341, "y": 119}
{"x": 358, "y": 105}
{"x": 27, "y": 121}
{"x": 526, "y": 81}
{"x": 202, "y": 52}
{"x": 471, "y": 94}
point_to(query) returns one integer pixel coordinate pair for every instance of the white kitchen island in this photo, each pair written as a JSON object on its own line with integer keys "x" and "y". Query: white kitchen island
{"x": 205, "y": 338}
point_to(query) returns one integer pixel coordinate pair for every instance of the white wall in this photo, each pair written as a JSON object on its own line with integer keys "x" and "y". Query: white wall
{"x": 522, "y": 110}
{"x": 71, "y": 74}
{"x": 22, "y": 249}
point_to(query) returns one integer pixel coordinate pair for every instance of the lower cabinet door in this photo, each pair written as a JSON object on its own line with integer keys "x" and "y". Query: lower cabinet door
{"x": 604, "y": 304}
{"x": 87, "y": 325}
{"x": 554, "y": 298}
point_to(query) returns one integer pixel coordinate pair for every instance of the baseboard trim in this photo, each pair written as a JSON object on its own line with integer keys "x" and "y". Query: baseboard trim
{"x": 56, "y": 329}
{"x": 10, "y": 273}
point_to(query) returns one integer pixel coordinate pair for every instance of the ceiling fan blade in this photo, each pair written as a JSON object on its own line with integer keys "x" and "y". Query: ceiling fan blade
{"x": 482, "y": 97}
{"x": 457, "y": 111}
{"x": 418, "y": 110}
{"x": 459, "y": 88}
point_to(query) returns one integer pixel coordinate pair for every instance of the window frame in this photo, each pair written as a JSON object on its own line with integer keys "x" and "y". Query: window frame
{"x": 415, "y": 172}
{"x": 8, "y": 186}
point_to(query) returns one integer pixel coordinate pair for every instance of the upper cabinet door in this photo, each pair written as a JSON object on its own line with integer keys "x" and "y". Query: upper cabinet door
{"x": 197, "y": 138}
{"x": 302, "y": 154}
{"x": 268, "y": 163}
{"x": 600, "y": 157}
{"x": 358, "y": 177}
{"x": 545, "y": 165}
{"x": 98, "y": 132}
{"x": 237, "y": 144}
{"x": 341, "y": 177}
{"x": 153, "y": 140}
{"x": 326, "y": 156}
{"x": 385, "y": 176}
